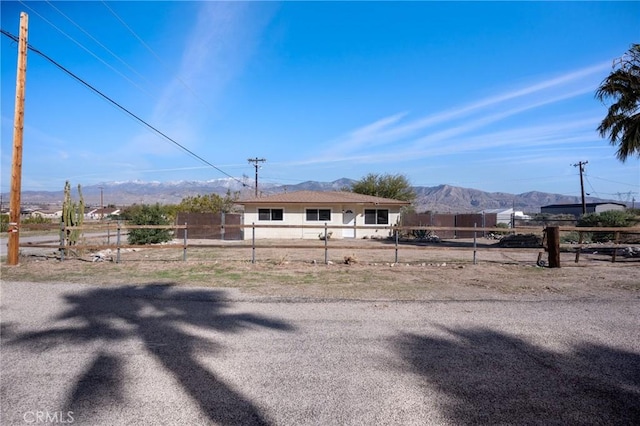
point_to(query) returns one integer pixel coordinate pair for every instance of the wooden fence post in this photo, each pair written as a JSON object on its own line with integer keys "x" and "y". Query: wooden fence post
{"x": 118, "y": 243}
{"x": 396, "y": 237}
{"x": 553, "y": 243}
{"x": 475, "y": 245}
{"x": 355, "y": 225}
{"x": 184, "y": 249}
{"x": 253, "y": 242}
{"x": 579, "y": 248}
{"x": 326, "y": 237}
{"x": 616, "y": 238}
{"x": 223, "y": 219}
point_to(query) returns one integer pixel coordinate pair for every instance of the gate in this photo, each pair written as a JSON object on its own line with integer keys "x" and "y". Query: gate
{"x": 210, "y": 226}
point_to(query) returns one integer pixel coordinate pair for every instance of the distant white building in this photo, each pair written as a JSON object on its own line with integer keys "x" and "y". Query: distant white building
{"x": 46, "y": 214}
{"x": 576, "y": 209}
{"x": 507, "y": 215}
{"x": 102, "y": 213}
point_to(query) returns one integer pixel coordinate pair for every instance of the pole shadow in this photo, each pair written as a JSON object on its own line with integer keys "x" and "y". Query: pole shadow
{"x": 156, "y": 315}
{"x": 483, "y": 376}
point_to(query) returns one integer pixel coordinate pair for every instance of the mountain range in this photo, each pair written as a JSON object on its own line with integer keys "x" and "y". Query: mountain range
{"x": 441, "y": 198}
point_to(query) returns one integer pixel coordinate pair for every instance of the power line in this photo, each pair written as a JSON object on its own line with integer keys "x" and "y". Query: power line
{"x": 116, "y": 104}
{"x": 586, "y": 177}
{"x": 86, "y": 49}
{"x": 145, "y": 45}
{"x": 122, "y": 61}
{"x": 158, "y": 58}
{"x": 484, "y": 182}
{"x": 613, "y": 181}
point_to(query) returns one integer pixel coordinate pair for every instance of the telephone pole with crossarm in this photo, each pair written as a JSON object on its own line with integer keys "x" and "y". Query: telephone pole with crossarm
{"x": 256, "y": 161}
{"x": 581, "y": 165}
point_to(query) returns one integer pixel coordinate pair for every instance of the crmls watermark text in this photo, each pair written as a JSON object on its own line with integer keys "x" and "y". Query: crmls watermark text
{"x": 42, "y": 417}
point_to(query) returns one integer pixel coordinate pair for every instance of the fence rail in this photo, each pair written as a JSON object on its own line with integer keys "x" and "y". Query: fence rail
{"x": 394, "y": 241}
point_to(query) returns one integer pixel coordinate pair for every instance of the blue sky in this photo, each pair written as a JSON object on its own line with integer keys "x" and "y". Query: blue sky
{"x": 494, "y": 96}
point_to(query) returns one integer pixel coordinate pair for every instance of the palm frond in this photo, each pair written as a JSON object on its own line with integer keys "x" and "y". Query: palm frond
{"x": 622, "y": 123}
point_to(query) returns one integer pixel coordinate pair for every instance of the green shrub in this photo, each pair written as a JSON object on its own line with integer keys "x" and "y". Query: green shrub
{"x": 574, "y": 237}
{"x": 608, "y": 219}
{"x": 149, "y": 215}
{"x": 4, "y": 223}
{"x": 502, "y": 229}
{"x": 209, "y": 203}
{"x": 35, "y": 220}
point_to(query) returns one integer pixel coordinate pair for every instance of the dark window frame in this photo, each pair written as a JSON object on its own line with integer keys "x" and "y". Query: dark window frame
{"x": 317, "y": 215}
{"x": 271, "y": 214}
{"x": 376, "y": 216}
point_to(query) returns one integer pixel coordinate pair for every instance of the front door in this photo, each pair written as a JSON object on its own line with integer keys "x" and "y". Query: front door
{"x": 349, "y": 219}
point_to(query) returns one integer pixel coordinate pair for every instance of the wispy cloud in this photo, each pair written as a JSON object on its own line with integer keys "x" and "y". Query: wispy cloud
{"x": 443, "y": 133}
{"x": 483, "y": 121}
{"x": 373, "y": 134}
{"x": 556, "y": 134}
{"x": 223, "y": 39}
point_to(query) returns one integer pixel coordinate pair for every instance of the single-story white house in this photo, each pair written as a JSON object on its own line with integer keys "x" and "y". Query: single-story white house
{"x": 337, "y": 208}
{"x": 505, "y": 215}
{"x": 102, "y": 213}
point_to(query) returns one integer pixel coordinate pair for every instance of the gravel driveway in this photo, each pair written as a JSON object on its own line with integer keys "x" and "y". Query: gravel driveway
{"x": 159, "y": 354}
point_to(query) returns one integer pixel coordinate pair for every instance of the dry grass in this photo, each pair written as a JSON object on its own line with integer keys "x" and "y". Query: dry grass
{"x": 434, "y": 273}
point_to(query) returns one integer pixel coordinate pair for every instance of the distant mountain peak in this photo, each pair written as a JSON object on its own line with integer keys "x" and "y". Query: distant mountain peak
{"x": 440, "y": 198}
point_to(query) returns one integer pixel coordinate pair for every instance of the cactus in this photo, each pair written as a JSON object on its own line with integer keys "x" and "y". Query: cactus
{"x": 72, "y": 216}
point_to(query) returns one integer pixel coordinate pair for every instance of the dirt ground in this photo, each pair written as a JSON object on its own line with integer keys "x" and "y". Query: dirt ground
{"x": 362, "y": 270}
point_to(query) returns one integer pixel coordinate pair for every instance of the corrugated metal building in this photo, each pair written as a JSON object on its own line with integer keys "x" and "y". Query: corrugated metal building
{"x": 576, "y": 209}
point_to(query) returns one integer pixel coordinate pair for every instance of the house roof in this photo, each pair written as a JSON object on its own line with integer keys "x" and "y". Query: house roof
{"x": 498, "y": 211}
{"x": 322, "y": 197}
{"x": 106, "y": 211}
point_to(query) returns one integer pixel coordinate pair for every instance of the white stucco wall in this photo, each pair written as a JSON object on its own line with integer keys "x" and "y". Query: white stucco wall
{"x": 294, "y": 217}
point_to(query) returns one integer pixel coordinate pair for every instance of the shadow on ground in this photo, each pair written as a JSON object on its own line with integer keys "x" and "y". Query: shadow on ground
{"x": 155, "y": 315}
{"x": 487, "y": 377}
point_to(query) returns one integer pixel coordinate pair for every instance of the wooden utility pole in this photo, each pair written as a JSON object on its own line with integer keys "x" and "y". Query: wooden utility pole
{"x": 255, "y": 162}
{"x": 16, "y": 162}
{"x": 581, "y": 165}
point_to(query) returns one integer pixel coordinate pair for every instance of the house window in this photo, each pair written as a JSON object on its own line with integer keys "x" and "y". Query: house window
{"x": 270, "y": 214}
{"x": 314, "y": 215}
{"x": 376, "y": 217}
